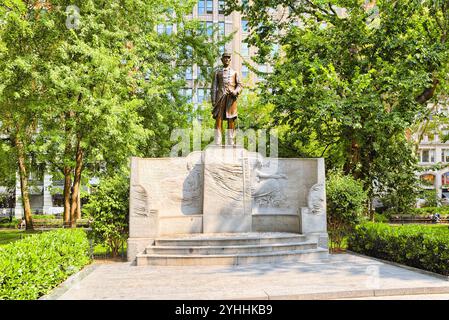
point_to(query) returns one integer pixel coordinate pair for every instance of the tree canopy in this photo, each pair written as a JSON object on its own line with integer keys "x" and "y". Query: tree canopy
{"x": 351, "y": 78}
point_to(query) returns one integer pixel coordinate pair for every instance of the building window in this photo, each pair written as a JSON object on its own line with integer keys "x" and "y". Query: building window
{"x": 445, "y": 180}
{"x": 57, "y": 200}
{"x": 221, "y": 30}
{"x": 209, "y": 6}
{"x": 202, "y": 7}
{"x": 428, "y": 156}
{"x": 202, "y": 95}
{"x": 244, "y": 50}
{"x": 189, "y": 73}
{"x": 245, "y": 71}
{"x": 244, "y": 26}
{"x": 187, "y": 93}
{"x": 221, "y": 6}
{"x": 210, "y": 28}
{"x": 427, "y": 180}
{"x": 445, "y": 155}
{"x": 164, "y": 29}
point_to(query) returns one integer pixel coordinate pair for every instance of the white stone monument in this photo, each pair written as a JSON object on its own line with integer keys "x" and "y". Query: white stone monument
{"x": 225, "y": 189}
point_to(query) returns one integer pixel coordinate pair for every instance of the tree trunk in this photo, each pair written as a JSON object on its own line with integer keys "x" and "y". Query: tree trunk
{"x": 24, "y": 188}
{"x": 78, "y": 206}
{"x": 67, "y": 187}
{"x": 76, "y": 184}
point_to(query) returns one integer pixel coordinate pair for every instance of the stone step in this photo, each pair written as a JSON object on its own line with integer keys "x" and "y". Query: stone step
{"x": 218, "y": 240}
{"x": 229, "y": 249}
{"x": 232, "y": 259}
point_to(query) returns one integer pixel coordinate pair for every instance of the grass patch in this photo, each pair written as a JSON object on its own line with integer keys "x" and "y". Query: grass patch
{"x": 9, "y": 236}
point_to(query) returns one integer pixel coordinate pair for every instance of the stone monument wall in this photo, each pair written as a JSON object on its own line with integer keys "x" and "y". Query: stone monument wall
{"x": 225, "y": 190}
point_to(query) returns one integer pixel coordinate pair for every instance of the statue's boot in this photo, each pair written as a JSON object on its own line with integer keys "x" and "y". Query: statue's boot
{"x": 230, "y": 139}
{"x": 217, "y": 139}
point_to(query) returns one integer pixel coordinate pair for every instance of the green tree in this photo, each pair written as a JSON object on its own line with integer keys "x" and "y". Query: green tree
{"x": 21, "y": 73}
{"x": 109, "y": 85}
{"x": 350, "y": 82}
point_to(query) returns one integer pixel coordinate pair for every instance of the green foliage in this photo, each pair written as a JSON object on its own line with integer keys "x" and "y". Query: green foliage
{"x": 108, "y": 209}
{"x": 382, "y": 218}
{"x": 31, "y": 267}
{"x": 430, "y": 198}
{"x": 345, "y": 203}
{"x": 427, "y": 211}
{"x": 413, "y": 245}
{"x": 5, "y": 223}
{"x": 10, "y": 235}
{"x": 349, "y": 84}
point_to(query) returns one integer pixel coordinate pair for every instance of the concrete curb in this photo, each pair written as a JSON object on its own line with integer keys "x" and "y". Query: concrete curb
{"x": 69, "y": 283}
{"x": 429, "y": 273}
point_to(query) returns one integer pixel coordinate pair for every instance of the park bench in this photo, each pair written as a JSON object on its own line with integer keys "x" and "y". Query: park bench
{"x": 418, "y": 219}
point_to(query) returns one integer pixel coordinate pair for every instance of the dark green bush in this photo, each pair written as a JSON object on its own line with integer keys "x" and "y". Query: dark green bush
{"x": 417, "y": 246}
{"x": 345, "y": 203}
{"x": 426, "y": 211}
{"x": 31, "y": 267}
{"x": 108, "y": 211}
{"x": 5, "y": 223}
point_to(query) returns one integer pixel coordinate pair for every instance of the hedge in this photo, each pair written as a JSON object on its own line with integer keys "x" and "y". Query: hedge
{"x": 425, "y": 211}
{"x": 31, "y": 267}
{"x": 417, "y": 246}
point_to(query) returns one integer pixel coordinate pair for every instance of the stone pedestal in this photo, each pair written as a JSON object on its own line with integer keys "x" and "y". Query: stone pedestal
{"x": 227, "y": 190}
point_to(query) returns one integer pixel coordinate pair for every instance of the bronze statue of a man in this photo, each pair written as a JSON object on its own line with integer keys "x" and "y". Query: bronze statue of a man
{"x": 226, "y": 87}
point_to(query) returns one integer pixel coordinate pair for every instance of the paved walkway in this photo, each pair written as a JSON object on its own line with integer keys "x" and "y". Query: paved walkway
{"x": 342, "y": 276}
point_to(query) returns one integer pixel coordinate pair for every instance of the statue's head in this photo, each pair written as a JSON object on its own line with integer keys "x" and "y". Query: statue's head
{"x": 226, "y": 59}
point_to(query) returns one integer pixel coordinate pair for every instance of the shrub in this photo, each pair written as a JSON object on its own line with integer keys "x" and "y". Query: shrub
{"x": 31, "y": 267}
{"x": 108, "y": 211}
{"x": 345, "y": 203}
{"x": 5, "y": 223}
{"x": 384, "y": 218}
{"x": 413, "y": 245}
{"x": 427, "y": 211}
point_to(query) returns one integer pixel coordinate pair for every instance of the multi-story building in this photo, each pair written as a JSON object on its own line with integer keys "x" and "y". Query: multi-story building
{"x": 433, "y": 156}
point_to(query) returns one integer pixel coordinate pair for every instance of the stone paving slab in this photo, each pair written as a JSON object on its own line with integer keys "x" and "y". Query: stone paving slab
{"x": 342, "y": 276}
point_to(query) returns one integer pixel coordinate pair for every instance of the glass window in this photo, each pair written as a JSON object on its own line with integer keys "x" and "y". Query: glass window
{"x": 244, "y": 50}
{"x": 202, "y": 95}
{"x": 445, "y": 180}
{"x": 244, "y": 26}
{"x": 168, "y": 29}
{"x": 187, "y": 93}
{"x": 210, "y": 28}
{"x": 428, "y": 155}
{"x": 245, "y": 71}
{"x": 201, "y": 6}
{"x": 221, "y": 29}
{"x": 189, "y": 73}
{"x": 210, "y": 6}
{"x": 427, "y": 180}
{"x": 445, "y": 155}
{"x": 221, "y": 6}
{"x": 164, "y": 29}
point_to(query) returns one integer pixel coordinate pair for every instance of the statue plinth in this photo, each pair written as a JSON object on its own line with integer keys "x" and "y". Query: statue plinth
{"x": 227, "y": 192}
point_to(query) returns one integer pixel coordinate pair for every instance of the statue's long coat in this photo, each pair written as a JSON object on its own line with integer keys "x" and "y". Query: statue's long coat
{"x": 225, "y": 104}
